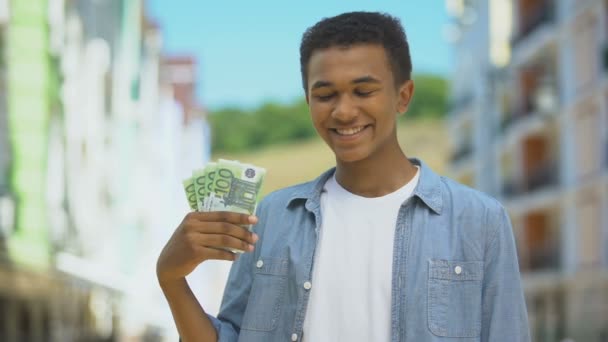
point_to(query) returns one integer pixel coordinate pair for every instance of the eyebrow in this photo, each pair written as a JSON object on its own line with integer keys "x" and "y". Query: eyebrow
{"x": 364, "y": 79}
{"x": 320, "y": 84}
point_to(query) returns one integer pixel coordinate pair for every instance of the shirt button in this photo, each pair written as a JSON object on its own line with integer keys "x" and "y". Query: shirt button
{"x": 259, "y": 264}
{"x": 458, "y": 269}
{"x": 294, "y": 337}
{"x": 307, "y": 285}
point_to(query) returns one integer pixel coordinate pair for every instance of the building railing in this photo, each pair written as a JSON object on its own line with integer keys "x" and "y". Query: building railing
{"x": 543, "y": 259}
{"x": 528, "y": 107}
{"x": 463, "y": 151}
{"x": 542, "y": 176}
{"x": 510, "y": 188}
{"x": 544, "y": 13}
{"x": 568, "y": 307}
{"x": 510, "y": 119}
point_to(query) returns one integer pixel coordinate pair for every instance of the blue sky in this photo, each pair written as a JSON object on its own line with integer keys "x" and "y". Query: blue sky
{"x": 248, "y": 50}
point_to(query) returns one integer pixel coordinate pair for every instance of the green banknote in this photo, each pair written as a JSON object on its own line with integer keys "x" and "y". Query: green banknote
{"x": 198, "y": 176}
{"x": 209, "y": 171}
{"x": 190, "y": 192}
{"x": 236, "y": 187}
{"x": 226, "y": 185}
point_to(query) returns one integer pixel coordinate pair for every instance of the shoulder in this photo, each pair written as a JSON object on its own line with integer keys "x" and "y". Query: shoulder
{"x": 465, "y": 198}
{"x": 477, "y": 210}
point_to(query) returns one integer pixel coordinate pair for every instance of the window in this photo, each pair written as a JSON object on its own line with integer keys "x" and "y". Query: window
{"x": 541, "y": 241}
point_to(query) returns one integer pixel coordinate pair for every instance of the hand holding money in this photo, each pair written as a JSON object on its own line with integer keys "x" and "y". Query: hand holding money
{"x": 225, "y": 186}
{"x": 224, "y": 196}
{"x": 203, "y": 236}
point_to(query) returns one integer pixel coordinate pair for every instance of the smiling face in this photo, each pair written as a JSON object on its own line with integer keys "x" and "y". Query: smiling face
{"x": 354, "y": 102}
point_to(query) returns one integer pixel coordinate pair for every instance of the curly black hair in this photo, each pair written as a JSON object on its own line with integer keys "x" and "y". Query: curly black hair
{"x": 356, "y": 28}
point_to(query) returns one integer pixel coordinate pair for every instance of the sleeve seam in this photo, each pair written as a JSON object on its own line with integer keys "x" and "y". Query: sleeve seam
{"x": 494, "y": 234}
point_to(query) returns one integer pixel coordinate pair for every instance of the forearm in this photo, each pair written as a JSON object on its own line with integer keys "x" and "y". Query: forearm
{"x": 192, "y": 323}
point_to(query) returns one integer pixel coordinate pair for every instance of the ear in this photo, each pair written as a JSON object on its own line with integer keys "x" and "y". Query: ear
{"x": 404, "y": 95}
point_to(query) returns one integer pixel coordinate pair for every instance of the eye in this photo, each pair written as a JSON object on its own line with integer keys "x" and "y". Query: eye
{"x": 364, "y": 93}
{"x": 324, "y": 97}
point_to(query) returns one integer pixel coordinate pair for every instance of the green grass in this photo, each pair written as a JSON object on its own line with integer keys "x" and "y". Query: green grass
{"x": 294, "y": 163}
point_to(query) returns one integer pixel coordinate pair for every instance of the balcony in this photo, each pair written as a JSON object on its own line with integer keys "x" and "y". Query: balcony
{"x": 510, "y": 119}
{"x": 533, "y": 18}
{"x": 510, "y": 188}
{"x": 543, "y": 176}
{"x": 543, "y": 258}
{"x": 462, "y": 152}
{"x": 540, "y": 98}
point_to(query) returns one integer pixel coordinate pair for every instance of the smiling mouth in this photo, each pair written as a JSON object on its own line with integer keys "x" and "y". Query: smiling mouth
{"x": 348, "y": 131}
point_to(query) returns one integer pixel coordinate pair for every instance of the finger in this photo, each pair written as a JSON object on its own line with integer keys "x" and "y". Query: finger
{"x": 219, "y": 254}
{"x": 226, "y": 229}
{"x": 224, "y": 216}
{"x": 226, "y": 241}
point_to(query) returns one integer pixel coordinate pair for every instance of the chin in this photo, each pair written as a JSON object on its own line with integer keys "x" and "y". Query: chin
{"x": 350, "y": 156}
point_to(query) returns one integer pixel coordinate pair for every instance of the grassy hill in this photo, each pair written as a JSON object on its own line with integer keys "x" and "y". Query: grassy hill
{"x": 293, "y": 163}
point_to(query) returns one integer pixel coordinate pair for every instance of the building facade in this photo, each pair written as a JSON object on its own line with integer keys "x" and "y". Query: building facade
{"x": 529, "y": 119}
{"x": 94, "y": 142}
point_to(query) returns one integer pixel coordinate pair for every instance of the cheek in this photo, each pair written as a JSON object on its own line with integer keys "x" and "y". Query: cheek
{"x": 317, "y": 119}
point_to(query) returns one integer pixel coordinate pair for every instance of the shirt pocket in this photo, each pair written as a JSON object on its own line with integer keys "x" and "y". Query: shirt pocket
{"x": 266, "y": 296}
{"x": 454, "y": 298}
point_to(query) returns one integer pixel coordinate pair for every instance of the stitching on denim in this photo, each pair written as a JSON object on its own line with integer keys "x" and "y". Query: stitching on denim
{"x": 276, "y": 308}
{"x": 437, "y": 303}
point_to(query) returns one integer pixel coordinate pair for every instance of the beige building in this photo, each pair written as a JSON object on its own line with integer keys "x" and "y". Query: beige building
{"x": 529, "y": 122}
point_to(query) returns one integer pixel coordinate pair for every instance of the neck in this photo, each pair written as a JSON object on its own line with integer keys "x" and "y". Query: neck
{"x": 377, "y": 175}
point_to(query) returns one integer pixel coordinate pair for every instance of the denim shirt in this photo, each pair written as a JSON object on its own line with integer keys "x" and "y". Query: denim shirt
{"x": 455, "y": 274}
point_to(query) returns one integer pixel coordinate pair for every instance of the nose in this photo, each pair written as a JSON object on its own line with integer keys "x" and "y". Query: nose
{"x": 345, "y": 109}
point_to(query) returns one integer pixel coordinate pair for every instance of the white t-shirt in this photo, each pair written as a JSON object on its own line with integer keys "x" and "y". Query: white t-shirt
{"x": 350, "y": 297}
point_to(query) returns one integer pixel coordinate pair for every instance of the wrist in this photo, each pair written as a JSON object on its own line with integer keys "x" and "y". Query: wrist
{"x": 168, "y": 284}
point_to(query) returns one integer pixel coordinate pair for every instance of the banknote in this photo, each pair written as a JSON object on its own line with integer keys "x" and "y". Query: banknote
{"x": 225, "y": 185}
{"x": 198, "y": 177}
{"x": 209, "y": 171}
{"x": 236, "y": 187}
{"x": 190, "y": 192}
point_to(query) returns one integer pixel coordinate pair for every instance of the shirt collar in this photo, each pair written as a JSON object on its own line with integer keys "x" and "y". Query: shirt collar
{"x": 428, "y": 189}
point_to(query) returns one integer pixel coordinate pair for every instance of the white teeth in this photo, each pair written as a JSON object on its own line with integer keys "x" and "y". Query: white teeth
{"x": 349, "y": 131}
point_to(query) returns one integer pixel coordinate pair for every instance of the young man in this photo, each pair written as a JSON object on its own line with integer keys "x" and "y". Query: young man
{"x": 379, "y": 248}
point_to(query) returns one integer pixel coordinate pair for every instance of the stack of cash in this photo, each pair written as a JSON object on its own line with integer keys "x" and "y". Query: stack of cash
{"x": 225, "y": 185}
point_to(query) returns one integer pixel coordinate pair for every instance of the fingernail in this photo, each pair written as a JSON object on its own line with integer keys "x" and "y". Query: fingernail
{"x": 255, "y": 237}
{"x": 253, "y": 219}
{"x": 250, "y": 248}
